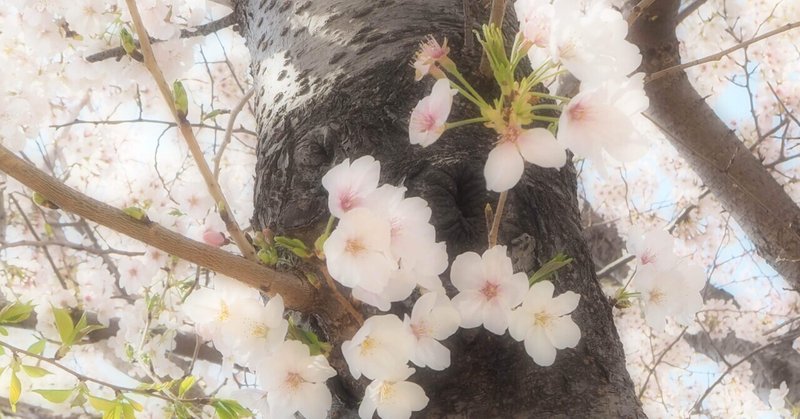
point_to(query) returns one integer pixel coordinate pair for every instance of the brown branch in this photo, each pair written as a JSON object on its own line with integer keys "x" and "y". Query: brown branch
{"x": 498, "y": 216}
{"x": 638, "y": 10}
{"x": 201, "y": 30}
{"x": 688, "y": 10}
{"x": 718, "y": 56}
{"x": 296, "y": 293}
{"x": 213, "y": 186}
{"x": 496, "y": 16}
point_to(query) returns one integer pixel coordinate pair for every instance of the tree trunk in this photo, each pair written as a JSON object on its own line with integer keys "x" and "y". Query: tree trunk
{"x": 734, "y": 175}
{"x": 333, "y": 81}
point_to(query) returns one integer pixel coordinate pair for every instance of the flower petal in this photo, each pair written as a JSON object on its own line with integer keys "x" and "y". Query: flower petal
{"x": 503, "y": 168}
{"x": 539, "y": 146}
{"x": 539, "y": 348}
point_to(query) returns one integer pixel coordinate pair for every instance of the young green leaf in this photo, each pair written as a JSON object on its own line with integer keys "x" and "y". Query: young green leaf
{"x": 557, "y": 262}
{"x": 37, "y": 347}
{"x": 181, "y": 99}
{"x": 55, "y": 396}
{"x": 64, "y": 325}
{"x": 136, "y": 213}
{"x": 15, "y": 391}
{"x": 186, "y": 384}
{"x": 15, "y": 312}
{"x": 34, "y": 371}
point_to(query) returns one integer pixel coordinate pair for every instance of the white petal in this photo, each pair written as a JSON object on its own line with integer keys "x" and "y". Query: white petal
{"x": 467, "y": 272}
{"x": 563, "y": 333}
{"x": 539, "y": 146}
{"x": 503, "y": 168}
{"x": 539, "y": 295}
{"x": 470, "y": 306}
{"x": 432, "y": 354}
{"x": 539, "y": 348}
{"x": 496, "y": 263}
{"x": 519, "y": 323}
{"x": 316, "y": 401}
{"x": 565, "y": 303}
{"x": 495, "y": 318}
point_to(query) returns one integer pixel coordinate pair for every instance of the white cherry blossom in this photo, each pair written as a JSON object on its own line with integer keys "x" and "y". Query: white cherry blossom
{"x": 600, "y": 121}
{"x": 257, "y": 329}
{"x": 349, "y": 184}
{"x": 430, "y": 52}
{"x": 393, "y": 397}
{"x": 674, "y": 292}
{"x": 488, "y": 287}
{"x": 379, "y": 348}
{"x": 428, "y": 119}
{"x": 653, "y": 247}
{"x": 358, "y": 251}
{"x": 432, "y": 320}
{"x": 295, "y": 382}
{"x": 507, "y": 159}
{"x": 544, "y": 324}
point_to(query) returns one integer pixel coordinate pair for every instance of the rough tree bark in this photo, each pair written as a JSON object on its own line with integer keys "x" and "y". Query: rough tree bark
{"x": 733, "y": 174}
{"x": 333, "y": 81}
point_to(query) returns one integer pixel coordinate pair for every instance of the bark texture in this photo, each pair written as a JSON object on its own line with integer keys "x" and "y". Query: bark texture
{"x": 733, "y": 174}
{"x": 333, "y": 81}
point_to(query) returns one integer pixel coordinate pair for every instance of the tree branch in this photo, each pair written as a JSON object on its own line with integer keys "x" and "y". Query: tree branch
{"x": 296, "y": 293}
{"x": 223, "y": 208}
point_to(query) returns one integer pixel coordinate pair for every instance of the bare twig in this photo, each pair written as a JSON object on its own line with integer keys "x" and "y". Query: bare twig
{"x": 295, "y": 292}
{"x": 213, "y": 186}
{"x": 721, "y": 54}
{"x": 36, "y": 236}
{"x": 638, "y": 10}
{"x": 201, "y": 30}
{"x": 688, "y": 10}
{"x": 229, "y": 129}
{"x": 498, "y": 215}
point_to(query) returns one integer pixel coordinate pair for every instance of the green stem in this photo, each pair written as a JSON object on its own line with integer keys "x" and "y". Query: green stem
{"x": 544, "y": 118}
{"x": 475, "y": 95}
{"x": 548, "y": 96}
{"x": 546, "y": 106}
{"x": 457, "y": 124}
{"x": 329, "y": 226}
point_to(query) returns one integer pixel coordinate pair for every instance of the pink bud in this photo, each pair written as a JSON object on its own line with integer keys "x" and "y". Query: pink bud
{"x": 214, "y": 238}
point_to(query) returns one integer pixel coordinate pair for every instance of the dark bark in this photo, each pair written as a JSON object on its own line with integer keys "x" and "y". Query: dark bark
{"x": 333, "y": 81}
{"x": 733, "y": 174}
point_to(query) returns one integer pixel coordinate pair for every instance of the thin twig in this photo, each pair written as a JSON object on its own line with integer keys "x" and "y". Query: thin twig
{"x": 343, "y": 301}
{"x": 188, "y": 134}
{"x": 652, "y": 370}
{"x": 747, "y": 357}
{"x": 201, "y": 30}
{"x": 229, "y": 129}
{"x": 70, "y": 245}
{"x": 715, "y": 57}
{"x": 36, "y": 236}
{"x": 688, "y": 10}
{"x": 638, "y": 10}
{"x": 498, "y": 215}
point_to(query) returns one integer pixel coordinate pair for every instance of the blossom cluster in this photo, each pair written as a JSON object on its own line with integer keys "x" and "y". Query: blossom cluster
{"x": 243, "y": 329}
{"x": 596, "y": 124}
{"x": 667, "y": 286}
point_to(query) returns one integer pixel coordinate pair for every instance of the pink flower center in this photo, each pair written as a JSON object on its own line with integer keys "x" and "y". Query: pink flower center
{"x": 348, "y": 200}
{"x": 648, "y": 257}
{"x": 577, "y": 112}
{"x": 489, "y": 290}
{"x": 427, "y": 122}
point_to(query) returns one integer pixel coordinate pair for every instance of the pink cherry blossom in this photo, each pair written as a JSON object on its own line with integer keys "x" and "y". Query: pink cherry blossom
{"x": 349, "y": 184}
{"x": 506, "y": 161}
{"x": 214, "y": 238}
{"x": 429, "y": 53}
{"x": 428, "y": 119}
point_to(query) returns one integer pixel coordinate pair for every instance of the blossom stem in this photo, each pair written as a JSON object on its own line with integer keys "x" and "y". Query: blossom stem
{"x": 329, "y": 226}
{"x": 457, "y": 124}
{"x": 548, "y": 96}
{"x": 341, "y": 298}
{"x": 475, "y": 95}
{"x": 544, "y": 118}
{"x": 546, "y": 106}
{"x": 498, "y": 215}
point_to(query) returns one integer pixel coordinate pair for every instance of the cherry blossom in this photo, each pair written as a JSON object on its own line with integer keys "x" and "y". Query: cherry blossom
{"x": 393, "y": 397}
{"x": 349, "y": 184}
{"x": 488, "y": 287}
{"x": 653, "y": 247}
{"x": 214, "y": 238}
{"x": 358, "y": 251}
{"x": 590, "y": 58}
{"x": 600, "y": 121}
{"x": 544, "y": 324}
{"x": 295, "y": 382}
{"x": 535, "y": 18}
{"x": 432, "y": 320}
{"x": 777, "y": 399}
{"x": 380, "y": 347}
{"x": 257, "y": 329}
{"x": 674, "y": 292}
{"x": 506, "y": 161}
{"x": 428, "y": 119}
{"x": 429, "y": 53}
